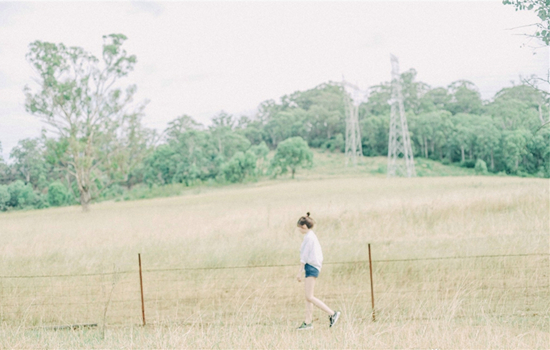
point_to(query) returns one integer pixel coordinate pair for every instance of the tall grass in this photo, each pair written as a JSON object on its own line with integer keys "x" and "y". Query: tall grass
{"x": 451, "y": 303}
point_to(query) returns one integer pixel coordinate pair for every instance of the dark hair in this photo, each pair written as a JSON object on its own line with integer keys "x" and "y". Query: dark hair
{"x": 306, "y": 220}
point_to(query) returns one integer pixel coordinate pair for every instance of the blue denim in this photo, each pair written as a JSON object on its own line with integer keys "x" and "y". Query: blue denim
{"x": 311, "y": 271}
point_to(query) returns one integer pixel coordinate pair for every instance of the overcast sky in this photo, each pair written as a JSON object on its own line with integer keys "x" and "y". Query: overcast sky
{"x": 199, "y": 58}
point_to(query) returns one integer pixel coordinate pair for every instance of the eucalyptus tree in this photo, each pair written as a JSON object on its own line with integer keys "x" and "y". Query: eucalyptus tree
{"x": 431, "y": 132}
{"x": 464, "y": 98}
{"x": 4, "y": 169}
{"x": 292, "y": 153}
{"x": 180, "y": 125}
{"x": 542, "y": 9}
{"x": 29, "y": 163}
{"x": 487, "y": 140}
{"x": 463, "y": 136}
{"x": 81, "y": 99}
{"x": 514, "y": 148}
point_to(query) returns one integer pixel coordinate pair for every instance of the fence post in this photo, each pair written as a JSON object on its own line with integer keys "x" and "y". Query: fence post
{"x": 371, "y": 287}
{"x": 141, "y": 285}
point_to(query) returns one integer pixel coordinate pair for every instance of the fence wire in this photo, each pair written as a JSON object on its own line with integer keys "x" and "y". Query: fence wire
{"x": 428, "y": 288}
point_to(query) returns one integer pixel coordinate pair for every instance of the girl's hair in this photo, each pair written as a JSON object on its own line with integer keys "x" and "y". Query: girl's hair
{"x": 306, "y": 220}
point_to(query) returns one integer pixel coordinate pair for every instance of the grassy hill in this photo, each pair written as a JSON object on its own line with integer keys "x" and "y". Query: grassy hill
{"x": 459, "y": 262}
{"x": 329, "y": 163}
{"x": 325, "y": 165}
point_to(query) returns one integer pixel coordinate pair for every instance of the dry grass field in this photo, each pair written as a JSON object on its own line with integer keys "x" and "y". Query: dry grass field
{"x": 219, "y": 267}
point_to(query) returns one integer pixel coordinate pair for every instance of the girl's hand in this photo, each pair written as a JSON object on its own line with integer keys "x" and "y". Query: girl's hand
{"x": 299, "y": 277}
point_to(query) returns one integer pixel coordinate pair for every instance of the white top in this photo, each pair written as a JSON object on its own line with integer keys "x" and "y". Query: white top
{"x": 310, "y": 251}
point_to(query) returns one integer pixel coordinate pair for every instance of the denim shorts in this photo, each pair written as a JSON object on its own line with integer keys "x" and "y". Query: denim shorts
{"x": 311, "y": 271}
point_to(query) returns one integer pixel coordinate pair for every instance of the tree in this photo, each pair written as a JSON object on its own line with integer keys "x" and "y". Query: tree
{"x": 514, "y": 148}
{"x": 161, "y": 165}
{"x": 480, "y": 167}
{"x": 21, "y": 195}
{"x": 4, "y": 169}
{"x": 487, "y": 140}
{"x": 260, "y": 151}
{"x": 413, "y": 91}
{"x": 542, "y": 10}
{"x": 291, "y": 154}
{"x": 435, "y": 99}
{"x": 222, "y": 125}
{"x": 29, "y": 163}
{"x": 79, "y": 98}
{"x": 463, "y": 136}
{"x": 197, "y": 156}
{"x": 180, "y": 125}
{"x": 289, "y": 123}
{"x": 374, "y": 134}
{"x": 136, "y": 143}
{"x": 240, "y": 166}
{"x": 57, "y": 194}
{"x": 430, "y": 131}
{"x": 251, "y": 129}
{"x": 464, "y": 98}
{"x": 4, "y": 197}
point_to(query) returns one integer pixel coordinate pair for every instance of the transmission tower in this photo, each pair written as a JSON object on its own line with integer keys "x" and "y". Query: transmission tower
{"x": 353, "y": 97}
{"x": 400, "y": 156}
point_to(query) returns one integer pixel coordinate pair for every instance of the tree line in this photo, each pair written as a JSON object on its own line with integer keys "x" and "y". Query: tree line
{"x": 95, "y": 145}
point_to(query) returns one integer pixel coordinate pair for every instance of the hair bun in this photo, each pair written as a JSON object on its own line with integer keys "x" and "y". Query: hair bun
{"x": 308, "y": 213}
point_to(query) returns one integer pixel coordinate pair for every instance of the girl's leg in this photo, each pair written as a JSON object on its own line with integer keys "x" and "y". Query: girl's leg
{"x": 311, "y": 300}
{"x": 309, "y": 312}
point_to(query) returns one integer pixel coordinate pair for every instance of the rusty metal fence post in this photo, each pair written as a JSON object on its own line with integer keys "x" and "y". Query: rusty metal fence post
{"x": 371, "y": 287}
{"x": 141, "y": 286}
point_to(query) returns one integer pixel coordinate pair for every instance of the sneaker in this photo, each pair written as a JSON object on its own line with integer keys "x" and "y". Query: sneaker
{"x": 305, "y": 326}
{"x": 334, "y": 318}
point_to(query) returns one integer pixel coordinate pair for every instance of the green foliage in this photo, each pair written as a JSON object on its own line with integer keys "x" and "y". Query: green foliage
{"x": 260, "y": 151}
{"x": 464, "y": 98}
{"x": 57, "y": 194}
{"x": 451, "y": 125}
{"x": 29, "y": 164}
{"x": 480, "y": 167}
{"x": 514, "y": 149}
{"x": 80, "y": 97}
{"x": 4, "y": 197}
{"x": 335, "y": 143}
{"x": 40, "y": 201}
{"x": 239, "y": 167}
{"x": 291, "y": 154}
{"x": 161, "y": 165}
{"x": 542, "y": 9}
{"x": 21, "y": 195}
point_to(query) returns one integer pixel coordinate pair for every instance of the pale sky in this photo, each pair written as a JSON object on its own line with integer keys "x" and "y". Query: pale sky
{"x": 199, "y": 58}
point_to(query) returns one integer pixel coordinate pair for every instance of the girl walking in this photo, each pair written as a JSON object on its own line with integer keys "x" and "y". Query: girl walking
{"x": 311, "y": 258}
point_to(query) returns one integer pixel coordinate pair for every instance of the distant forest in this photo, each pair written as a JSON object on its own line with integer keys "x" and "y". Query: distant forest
{"x": 450, "y": 124}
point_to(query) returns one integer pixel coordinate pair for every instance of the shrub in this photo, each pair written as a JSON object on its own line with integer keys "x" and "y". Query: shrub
{"x": 57, "y": 194}
{"x": 4, "y": 197}
{"x": 481, "y": 167}
{"x": 21, "y": 195}
{"x": 239, "y": 166}
{"x": 40, "y": 201}
{"x": 469, "y": 163}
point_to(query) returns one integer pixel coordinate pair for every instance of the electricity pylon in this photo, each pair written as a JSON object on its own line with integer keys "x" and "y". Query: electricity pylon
{"x": 400, "y": 156}
{"x": 353, "y": 97}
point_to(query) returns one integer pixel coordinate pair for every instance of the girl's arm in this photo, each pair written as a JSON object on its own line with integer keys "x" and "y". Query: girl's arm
{"x": 301, "y": 272}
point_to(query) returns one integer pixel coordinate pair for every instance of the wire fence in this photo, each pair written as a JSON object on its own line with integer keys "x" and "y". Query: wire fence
{"x": 428, "y": 288}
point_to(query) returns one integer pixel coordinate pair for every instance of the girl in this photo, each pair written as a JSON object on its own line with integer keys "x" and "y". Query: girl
{"x": 311, "y": 257}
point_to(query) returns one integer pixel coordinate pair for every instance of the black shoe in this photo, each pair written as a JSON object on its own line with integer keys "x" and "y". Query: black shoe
{"x": 334, "y": 318}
